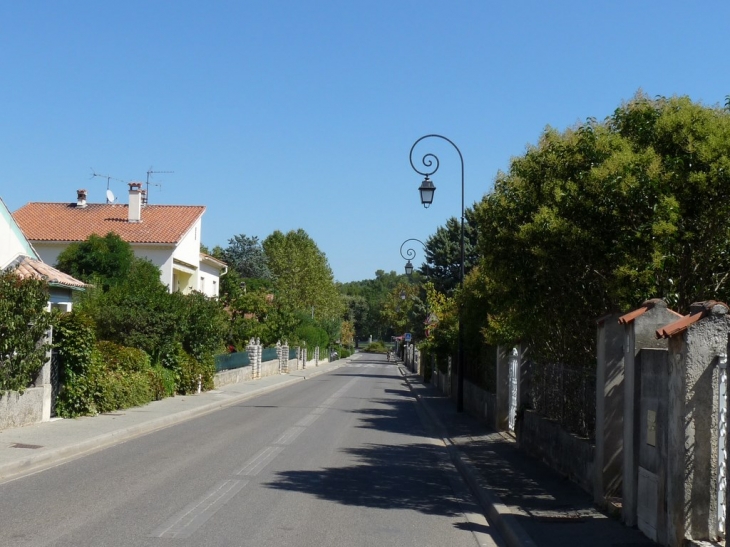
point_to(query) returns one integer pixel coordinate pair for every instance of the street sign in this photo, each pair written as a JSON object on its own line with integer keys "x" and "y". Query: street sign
{"x": 408, "y": 337}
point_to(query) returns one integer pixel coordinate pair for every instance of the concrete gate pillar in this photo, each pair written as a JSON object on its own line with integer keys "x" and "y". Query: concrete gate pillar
{"x": 697, "y": 345}
{"x": 638, "y": 333}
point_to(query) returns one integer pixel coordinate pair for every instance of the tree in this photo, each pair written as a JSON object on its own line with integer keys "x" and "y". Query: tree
{"x": 404, "y": 310}
{"x": 137, "y": 311}
{"x": 24, "y": 322}
{"x": 246, "y": 255}
{"x": 370, "y": 322}
{"x": 303, "y": 279}
{"x": 98, "y": 259}
{"x": 604, "y": 215}
{"x": 443, "y": 252}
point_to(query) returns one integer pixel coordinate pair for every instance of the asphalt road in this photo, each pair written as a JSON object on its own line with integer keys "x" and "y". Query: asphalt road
{"x": 342, "y": 459}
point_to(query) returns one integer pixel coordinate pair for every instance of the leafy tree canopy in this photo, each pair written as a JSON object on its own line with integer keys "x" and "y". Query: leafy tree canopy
{"x": 98, "y": 259}
{"x": 443, "y": 252}
{"x": 369, "y": 320}
{"x": 246, "y": 255}
{"x": 303, "y": 279}
{"x": 604, "y": 215}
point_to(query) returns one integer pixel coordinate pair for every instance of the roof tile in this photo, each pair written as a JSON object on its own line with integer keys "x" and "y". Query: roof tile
{"x": 67, "y": 222}
{"x": 26, "y": 267}
{"x": 698, "y": 311}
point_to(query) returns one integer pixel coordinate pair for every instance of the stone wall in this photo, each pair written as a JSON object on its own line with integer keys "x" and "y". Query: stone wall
{"x": 479, "y": 403}
{"x": 17, "y": 410}
{"x": 566, "y": 453}
{"x": 233, "y": 376}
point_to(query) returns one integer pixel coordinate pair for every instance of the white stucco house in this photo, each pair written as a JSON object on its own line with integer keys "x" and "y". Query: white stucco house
{"x": 18, "y": 254}
{"x": 167, "y": 235}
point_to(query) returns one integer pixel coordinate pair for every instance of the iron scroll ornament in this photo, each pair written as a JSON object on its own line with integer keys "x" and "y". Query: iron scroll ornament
{"x": 410, "y": 253}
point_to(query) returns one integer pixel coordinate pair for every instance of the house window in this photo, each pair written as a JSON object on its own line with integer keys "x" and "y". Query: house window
{"x": 202, "y": 284}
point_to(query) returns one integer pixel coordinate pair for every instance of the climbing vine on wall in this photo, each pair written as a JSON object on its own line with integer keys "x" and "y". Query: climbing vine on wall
{"x": 24, "y": 322}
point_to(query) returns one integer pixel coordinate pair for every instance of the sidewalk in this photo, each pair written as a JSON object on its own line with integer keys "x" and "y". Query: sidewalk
{"x": 529, "y": 503}
{"x": 35, "y": 447}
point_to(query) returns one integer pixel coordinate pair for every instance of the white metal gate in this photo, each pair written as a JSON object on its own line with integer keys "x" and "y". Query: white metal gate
{"x": 514, "y": 371}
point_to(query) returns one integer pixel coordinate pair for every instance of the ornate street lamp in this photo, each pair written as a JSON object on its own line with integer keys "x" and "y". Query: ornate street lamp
{"x": 427, "y": 190}
{"x": 410, "y": 253}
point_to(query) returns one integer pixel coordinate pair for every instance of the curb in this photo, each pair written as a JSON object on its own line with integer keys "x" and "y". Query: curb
{"x": 500, "y": 514}
{"x": 58, "y": 456}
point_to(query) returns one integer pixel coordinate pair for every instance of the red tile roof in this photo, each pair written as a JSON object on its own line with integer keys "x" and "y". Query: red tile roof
{"x": 702, "y": 309}
{"x": 26, "y": 267}
{"x": 67, "y": 222}
{"x": 646, "y": 306}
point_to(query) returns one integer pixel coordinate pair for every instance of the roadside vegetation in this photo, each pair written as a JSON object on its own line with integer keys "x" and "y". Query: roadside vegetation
{"x": 590, "y": 220}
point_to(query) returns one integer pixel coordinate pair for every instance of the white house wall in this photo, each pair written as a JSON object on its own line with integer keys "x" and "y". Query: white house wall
{"x": 49, "y": 252}
{"x": 209, "y": 280}
{"x": 160, "y": 256}
{"x": 12, "y": 241}
{"x": 188, "y": 250}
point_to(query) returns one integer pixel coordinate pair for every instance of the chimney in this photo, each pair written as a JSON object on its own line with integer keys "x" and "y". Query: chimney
{"x": 135, "y": 202}
{"x": 80, "y": 199}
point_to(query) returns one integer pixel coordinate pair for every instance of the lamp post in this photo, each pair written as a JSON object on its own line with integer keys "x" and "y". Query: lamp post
{"x": 427, "y": 191}
{"x": 410, "y": 253}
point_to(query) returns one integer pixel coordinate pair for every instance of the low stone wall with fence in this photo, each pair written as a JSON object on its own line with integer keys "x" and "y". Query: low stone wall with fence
{"x": 238, "y": 367}
{"x": 480, "y": 403}
{"x": 565, "y": 395}
{"x": 568, "y": 454}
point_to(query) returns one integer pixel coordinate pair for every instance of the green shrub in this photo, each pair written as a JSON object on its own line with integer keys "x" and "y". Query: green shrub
{"x": 74, "y": 340}
{"x": 203, "y": 324}
{"x": 376, "y": 347}
{"x": 188, "y": 371}
{"x": 109, "y": 377}
{"x": 313, "y": 335}
{"x": 162, "y": 382}
{"x": 77, "y": 396}
{"x": 117, "y": 390}
{"x": 124, "y": 359}
{"x": 23, "y": 325}
{"x": 137, "y": 312}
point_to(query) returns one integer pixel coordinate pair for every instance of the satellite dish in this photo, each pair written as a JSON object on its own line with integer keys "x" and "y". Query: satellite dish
{"x": 110, "y": 196}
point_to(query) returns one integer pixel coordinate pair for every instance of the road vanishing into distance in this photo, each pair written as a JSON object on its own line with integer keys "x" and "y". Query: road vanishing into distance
{"x": 340, "y": 459}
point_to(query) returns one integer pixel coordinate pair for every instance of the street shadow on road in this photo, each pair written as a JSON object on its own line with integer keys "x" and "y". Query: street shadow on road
{"x": 396, "y": 415}
{"x": 381, "y": 476}
{"x": 367, "y": 375}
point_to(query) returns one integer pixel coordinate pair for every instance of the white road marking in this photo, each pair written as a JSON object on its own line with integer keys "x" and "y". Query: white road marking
{"x": 260, "y": 460}
{"x": 289, "y": 435}
{"x": 197, "y": 513}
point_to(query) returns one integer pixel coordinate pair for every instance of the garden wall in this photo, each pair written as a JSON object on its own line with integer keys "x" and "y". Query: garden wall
{"x": 566, "y": 453}
{"x": 268, "y": 368}
{"x": 18, "y": 410}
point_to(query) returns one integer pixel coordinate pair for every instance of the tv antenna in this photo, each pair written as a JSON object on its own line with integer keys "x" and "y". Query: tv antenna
{"x": 150, "y": 172}
{"x": 109, "y": 194}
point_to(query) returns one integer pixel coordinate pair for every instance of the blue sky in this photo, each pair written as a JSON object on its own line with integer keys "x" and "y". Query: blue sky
{"x": 284, "y": 115}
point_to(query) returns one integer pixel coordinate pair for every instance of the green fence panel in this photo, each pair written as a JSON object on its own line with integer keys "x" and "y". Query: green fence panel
{"x": 230, "y": 361}
{"x": 269, "y": 354}
{"x": 292, "y": 353}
